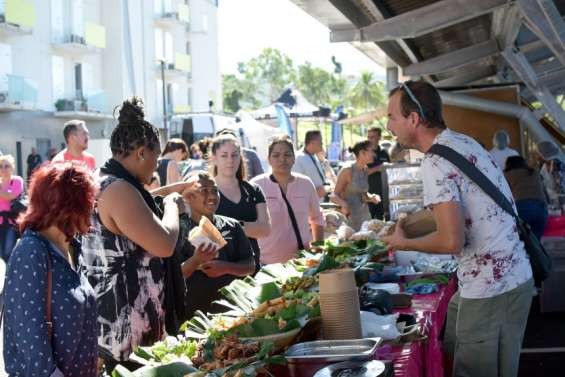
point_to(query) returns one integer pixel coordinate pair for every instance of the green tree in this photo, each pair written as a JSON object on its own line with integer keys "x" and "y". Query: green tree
{"x": 238, "y": 93}
{"x": 314, "y": 83}
{"x": 270, "y": 72}
{"x": 367, "y": 93}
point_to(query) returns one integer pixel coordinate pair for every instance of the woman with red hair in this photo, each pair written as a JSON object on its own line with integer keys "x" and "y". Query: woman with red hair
{"x": 50, "y": 308}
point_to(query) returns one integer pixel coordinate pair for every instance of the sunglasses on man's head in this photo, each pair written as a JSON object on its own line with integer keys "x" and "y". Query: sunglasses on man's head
{"x": 404, "y": 86}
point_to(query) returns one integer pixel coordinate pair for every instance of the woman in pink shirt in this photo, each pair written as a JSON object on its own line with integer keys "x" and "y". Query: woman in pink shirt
{"x": 292, "y": 200}
{"x": 11, "y": 186}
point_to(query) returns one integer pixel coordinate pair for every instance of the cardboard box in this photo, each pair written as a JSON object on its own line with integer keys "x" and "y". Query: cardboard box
{"x": 417, "y": 224}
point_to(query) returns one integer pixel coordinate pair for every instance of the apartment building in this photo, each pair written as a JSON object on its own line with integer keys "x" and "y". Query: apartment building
{"x": 66, "y": 59}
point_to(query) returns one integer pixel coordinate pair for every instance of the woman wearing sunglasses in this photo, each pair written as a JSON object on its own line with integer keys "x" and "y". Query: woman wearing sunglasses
{"x": 11, "y": 186}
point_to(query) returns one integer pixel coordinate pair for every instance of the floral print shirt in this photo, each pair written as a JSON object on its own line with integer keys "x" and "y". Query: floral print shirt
{"x": 493, "y": 260}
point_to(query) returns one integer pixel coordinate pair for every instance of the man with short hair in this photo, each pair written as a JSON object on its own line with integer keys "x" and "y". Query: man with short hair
{"x": 307, "y": 162}
{"x": 375, "y": 171}
{"x": 33, "y": 162}
{"x": 76, "y": 137}
{"x": 487, "y": 317}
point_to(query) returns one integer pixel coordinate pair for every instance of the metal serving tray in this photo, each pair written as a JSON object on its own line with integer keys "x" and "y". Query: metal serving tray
{"x": 326, "y": 351}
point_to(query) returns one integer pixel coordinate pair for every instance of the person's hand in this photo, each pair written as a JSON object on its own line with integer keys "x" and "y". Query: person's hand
{"x": 189, "y": 187}
{"x": 174, "y": 199}
{"x": 374, "y": 198}
{"x": 397, "y": 239}
{"x": 215, "y": 268}
{"x": 205, "y": 253}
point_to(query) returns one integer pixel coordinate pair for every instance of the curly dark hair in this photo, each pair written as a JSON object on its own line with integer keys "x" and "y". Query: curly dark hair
{"x": 132, "y": 131}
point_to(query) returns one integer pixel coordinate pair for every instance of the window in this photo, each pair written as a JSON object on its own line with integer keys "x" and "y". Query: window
{"x": 77, "y": 20}
{"x": 78, "y": 81}
{"x": 5, "y": 59}
{"x": 168, "y": 53}
{"x": 58, "y": 77}
{"x": 159, "y": 48}
{"x": 170, "y": 98}
{"x": 164, "y": 45}
{"x": 188, "y": 48}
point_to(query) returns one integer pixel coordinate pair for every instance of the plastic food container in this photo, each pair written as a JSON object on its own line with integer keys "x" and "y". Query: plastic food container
{"x": 305, "y": 359}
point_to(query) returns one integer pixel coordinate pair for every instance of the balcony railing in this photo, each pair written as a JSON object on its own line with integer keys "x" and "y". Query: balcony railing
{"x": 93, "y": 40}
{"x": 16, "y": 17}
{"x": 17, "y": 93}
{"x": 92, "y": 106}
{"x": 170, "y": 17}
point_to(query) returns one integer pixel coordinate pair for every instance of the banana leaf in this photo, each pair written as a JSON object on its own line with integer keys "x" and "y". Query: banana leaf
{"x": 176, "y": 369}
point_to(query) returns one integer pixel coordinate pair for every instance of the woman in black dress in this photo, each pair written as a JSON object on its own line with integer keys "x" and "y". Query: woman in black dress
{"x": 239, "y": 199}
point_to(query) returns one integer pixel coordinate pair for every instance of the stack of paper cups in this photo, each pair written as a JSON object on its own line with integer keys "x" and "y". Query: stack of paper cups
{"x": 339, "y": 304}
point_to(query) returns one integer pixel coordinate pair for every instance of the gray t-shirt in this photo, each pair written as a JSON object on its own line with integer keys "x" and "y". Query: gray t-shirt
{"x": 310, "y": 166}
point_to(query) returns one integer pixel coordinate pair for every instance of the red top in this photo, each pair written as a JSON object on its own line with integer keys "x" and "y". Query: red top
{"x": 15, "y": 186}
{"x": 87, "y": 158}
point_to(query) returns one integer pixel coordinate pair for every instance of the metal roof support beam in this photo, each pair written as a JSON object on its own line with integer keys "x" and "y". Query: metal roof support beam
{"x": 544, "y": 19}
{"x": 453, "y": 60}
{"x": 421, "y": 21}
{"x": 524, "y": 70}
{"x": 497, "y": 107}
{"x": 472, "y": 75}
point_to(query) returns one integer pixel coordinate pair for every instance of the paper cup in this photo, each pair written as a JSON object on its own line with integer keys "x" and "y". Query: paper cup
{"x": 339, "y": 304}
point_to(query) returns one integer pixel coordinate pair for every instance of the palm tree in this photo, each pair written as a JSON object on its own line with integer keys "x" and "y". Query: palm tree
{"x": 367, "y": 93}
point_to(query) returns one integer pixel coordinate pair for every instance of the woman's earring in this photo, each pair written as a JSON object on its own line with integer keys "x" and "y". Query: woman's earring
{"x": 142, "y": 158}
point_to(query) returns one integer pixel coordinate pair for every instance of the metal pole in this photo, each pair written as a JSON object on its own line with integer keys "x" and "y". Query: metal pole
{"x": 166, "y": 131}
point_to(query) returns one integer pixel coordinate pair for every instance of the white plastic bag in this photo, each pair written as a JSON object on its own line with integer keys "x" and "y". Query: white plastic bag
{"x": 383, "y": 326}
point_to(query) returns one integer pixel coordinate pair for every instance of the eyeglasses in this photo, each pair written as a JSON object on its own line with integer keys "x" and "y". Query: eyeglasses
{"x": 404, "y": 86}
{"x": 6, "y": 166}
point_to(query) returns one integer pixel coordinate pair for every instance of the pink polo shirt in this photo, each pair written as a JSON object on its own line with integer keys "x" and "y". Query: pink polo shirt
{"x": 281, "y": 244}
{"x": 15, "y": 187}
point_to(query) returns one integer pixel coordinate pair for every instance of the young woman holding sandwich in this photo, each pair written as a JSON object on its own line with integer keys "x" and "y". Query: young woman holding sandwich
{"x": 207, "y": 269}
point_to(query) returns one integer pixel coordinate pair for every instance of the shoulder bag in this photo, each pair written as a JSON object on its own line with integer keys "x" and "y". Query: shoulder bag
{"x": 539, "y": 259}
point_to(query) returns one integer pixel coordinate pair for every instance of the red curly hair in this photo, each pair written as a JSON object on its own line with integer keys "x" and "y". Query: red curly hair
{"x": 62, "y": 195}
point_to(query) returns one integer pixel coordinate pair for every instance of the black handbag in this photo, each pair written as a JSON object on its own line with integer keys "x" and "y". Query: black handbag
{"x": 19, "y": 205}
{"x": 539, "y": 259}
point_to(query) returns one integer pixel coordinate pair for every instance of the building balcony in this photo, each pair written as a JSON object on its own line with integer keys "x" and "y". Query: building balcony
{"x": 180, "y": 69}
{"x": 93, "y": 107}
{"x": 17, "y": 93}
{"x": 168, "y": 19}
{"x": 93, "y": 41}
{"x": 17, "y": 17}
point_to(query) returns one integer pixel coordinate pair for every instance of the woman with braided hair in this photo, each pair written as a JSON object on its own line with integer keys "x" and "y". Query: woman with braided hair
{"x": 122, "y": 255}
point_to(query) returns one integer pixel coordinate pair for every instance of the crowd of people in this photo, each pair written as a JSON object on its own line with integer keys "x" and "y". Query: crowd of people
{"x": 104, "y": 264}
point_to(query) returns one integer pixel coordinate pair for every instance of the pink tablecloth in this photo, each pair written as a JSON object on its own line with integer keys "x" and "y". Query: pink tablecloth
{"x": 423, "y": 359}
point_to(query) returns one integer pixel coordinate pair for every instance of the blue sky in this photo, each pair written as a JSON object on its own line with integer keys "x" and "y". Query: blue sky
{"x": 248, "y": 26}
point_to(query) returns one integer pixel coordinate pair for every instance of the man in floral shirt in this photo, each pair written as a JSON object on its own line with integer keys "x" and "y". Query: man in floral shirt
{"x": 487, "y": 316}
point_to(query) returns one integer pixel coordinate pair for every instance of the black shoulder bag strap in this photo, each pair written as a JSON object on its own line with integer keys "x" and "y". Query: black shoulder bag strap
{"x": 475, "y": 175}
{"x": 317, "y": 168}
{"x": 291, "y": 215}
{"x": 539, "y": 259}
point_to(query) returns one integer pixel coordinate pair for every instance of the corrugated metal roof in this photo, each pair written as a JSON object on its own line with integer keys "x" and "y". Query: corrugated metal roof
{"x": 454, "y": 37}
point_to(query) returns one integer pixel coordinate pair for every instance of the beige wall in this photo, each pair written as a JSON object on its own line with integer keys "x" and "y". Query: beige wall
{"x": 481, "y": 125}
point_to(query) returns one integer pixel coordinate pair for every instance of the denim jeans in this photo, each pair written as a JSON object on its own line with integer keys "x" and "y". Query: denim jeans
{"x": 8, "y": 239}
{"x": 534, "y": 212}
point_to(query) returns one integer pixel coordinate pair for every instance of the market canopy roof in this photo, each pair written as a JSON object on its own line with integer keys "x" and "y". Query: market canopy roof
{"x": 458, "y": 43}
{"x": 294, "y": 103}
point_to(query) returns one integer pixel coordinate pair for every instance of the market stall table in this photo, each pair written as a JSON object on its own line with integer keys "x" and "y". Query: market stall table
{"x": 423, "y": 358}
